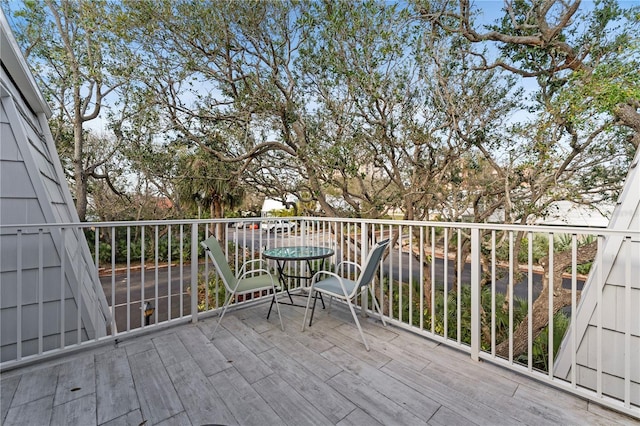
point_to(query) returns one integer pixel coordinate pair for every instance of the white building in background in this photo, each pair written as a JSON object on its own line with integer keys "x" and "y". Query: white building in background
{"x": 566, "y": 213}
{"x": 270, "y": 206}
{"x": 33, "y": 190}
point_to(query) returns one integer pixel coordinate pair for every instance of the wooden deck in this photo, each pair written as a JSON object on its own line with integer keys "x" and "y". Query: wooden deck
{"x": 252, "y": 373}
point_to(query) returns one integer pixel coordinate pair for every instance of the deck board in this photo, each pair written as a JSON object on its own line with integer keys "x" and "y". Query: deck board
{"x": 170, "y": 349}
{"x": 131, "y": 418}
{"x": 245, "y": 361}
{"x": 36, "y": 412}
{"x": 36, "y": 384}
{"x": 8, "y": 389}
{"x": 80, "y": 411}
{"x": 385, "y": 410}
{"x": 76, "y": 379}
{"x": 242, "y": 399}
{"x": 358, "y": 417}
{"x": 115, "y": 391}
{"x": 474, "y": 411}
{"x": 253, "y": 373}
{"x": 292, "y": 408}
{"x": 417, "y": 403}
{"x": 160, "y": 401}
{"x": 202, "y": 404}
{"x": 203, "y": 351}
{"x": 326, "y": 399}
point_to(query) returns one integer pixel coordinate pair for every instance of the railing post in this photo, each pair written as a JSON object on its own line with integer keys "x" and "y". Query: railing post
{"x": 194, "y": 272}
{"x": 475, "y": 294}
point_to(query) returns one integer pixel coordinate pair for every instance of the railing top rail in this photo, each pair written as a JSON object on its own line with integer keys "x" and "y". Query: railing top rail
{"x": 550, "y": 229}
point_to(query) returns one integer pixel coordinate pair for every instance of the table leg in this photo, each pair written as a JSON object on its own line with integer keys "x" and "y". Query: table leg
{"x": 283, "y": 283}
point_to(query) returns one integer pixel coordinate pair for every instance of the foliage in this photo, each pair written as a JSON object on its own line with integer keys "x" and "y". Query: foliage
{"x": 203, "y": 181}
{"x": 540, "y": 349}
{"x": 211, "y": 293}
{"x": 132, "y": 246}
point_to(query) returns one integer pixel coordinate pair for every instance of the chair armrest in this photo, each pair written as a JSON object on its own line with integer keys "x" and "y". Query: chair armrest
{"x": 243, "y": 268}
{"x": 314, "y": 279}
{"x": 264, "y": 271}
{"x": 347, "y": 262}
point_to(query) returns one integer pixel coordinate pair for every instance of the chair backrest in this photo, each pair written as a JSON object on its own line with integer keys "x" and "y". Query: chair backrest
{"x": 371, "y": 264}
{"x": 212, "y": 246}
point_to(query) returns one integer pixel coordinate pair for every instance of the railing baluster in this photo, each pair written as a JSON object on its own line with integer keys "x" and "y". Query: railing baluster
{"x": 40, "y": 291}
{"x": 181, "y": 271}
{"x": 156, "y": 277}
{"x": 400, "y": 244}
{"x": 169, "y": 281}
{"x": 627, "y": 249}
{"x": 446, "y": 285}
{"x": 142, "y": 301}
{"x": 550, "y": 313}
{"x": 433, "y": 279}
{"x": 113, "y": 280}
{"x": 493, "y": 293}
{"x": 511, "y": 272}
{"x": 459, "y": 288}
{"x": 574, "y": 305}
{"x": 476, "y": 328}
{"x": 410, "y": 275}
{"x": 530, "y": 301}
{"x": 79, "y": 267}
{"x": 128, "y": 278}
{"x": 63, "y": 261}
{"x": 194, "y": 273}
{"x": 599, "y": 309}
{"x": 19, "y": 285}
{"x": 421, "y": 279}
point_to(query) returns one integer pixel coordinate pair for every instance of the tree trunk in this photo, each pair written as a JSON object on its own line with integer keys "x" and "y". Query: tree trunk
{"x": 78, "y": 171}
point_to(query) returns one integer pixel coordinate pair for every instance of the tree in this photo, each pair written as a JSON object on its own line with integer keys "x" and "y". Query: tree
{"x": 203, "y": 181}
{"x": 77, "y": 57}
{"x": 235, "y": 65}
{"x": 587, "y": 58}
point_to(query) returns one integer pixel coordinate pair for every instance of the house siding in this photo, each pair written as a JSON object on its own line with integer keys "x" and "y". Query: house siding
{"x": 620, "y": 301}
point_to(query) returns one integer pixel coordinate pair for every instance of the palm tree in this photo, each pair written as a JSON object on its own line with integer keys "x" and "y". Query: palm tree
{"x": 208, "y": 184}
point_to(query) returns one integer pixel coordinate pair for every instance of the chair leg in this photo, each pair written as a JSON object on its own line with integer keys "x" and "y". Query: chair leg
{"x": 277, "y": 308}
{"x": 355, "y": 318}
{"x": 306, "y": 310}
{"x": 273, "y": 300}
{"x": 224, "y": 309}
{"x": 375, "y": 303}
{"x": 313, "y": 310}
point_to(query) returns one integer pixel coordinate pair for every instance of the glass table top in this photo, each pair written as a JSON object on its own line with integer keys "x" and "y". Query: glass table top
{"x": 297, "y": 253}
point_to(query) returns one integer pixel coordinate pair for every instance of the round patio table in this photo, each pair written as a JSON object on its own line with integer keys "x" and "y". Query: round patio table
{"x": 307, "y": 254}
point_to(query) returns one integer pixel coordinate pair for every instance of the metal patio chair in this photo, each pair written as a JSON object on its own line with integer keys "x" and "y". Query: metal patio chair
{"x": 337, "y": 286}
{"x": 247, "y": 281}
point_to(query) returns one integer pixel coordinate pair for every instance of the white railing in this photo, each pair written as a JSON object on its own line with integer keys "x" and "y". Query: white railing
{"x": 470, "y": 286}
